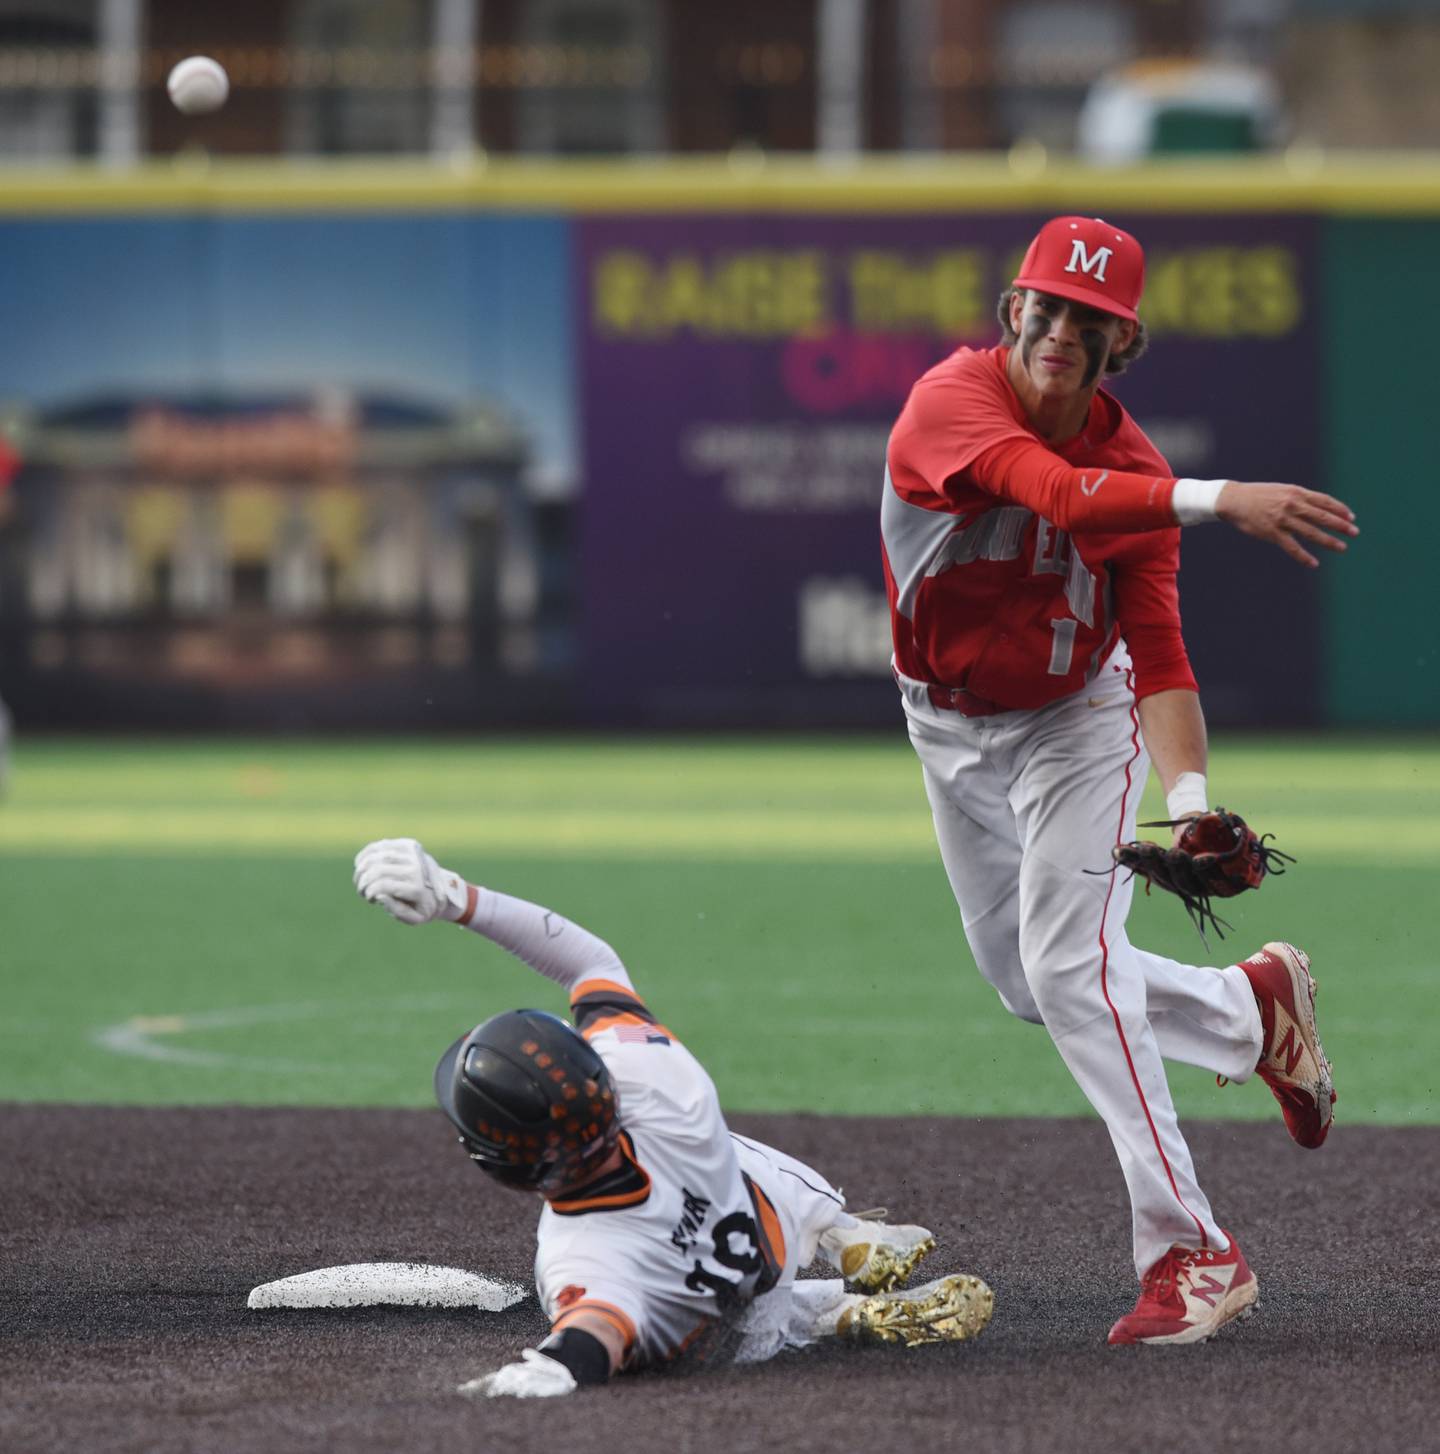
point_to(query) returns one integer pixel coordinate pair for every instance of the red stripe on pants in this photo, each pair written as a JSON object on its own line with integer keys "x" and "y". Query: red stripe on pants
{"x": 1105, "y": 969}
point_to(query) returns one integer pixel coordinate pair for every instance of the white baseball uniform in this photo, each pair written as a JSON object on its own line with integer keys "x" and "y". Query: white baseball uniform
{"x": 706, "y": 1221}
{"x": 690, "y": 1251}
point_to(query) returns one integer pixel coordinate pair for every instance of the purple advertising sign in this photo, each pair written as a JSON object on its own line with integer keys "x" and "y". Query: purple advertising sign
{"x": 739, "y": 377}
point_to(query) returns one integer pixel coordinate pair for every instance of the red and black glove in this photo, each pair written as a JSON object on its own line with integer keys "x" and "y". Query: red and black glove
{"x": 1217, "y": 856}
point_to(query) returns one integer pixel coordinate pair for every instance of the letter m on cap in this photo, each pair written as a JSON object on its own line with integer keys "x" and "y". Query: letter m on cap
{"x": 1081, "y": 261}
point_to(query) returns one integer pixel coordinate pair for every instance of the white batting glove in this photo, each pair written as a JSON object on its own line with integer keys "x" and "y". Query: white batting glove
{"x": 407, "y": 883}
{"x": 535, "y": 1376}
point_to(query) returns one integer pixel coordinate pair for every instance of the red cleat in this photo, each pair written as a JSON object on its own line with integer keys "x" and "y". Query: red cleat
{"x": 1189, "y": 1295}
{"x": 1292, "y": 1062}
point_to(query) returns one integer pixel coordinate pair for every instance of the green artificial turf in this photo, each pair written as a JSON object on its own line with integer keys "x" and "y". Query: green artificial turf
{"x": 179, "y": 926}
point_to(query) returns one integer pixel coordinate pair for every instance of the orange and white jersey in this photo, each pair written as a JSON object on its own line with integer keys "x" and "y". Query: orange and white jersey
{"x": 673, "y": 1246}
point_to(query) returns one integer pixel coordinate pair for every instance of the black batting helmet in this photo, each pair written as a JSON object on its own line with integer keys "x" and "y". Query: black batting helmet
{"x": 533, "y": 1103}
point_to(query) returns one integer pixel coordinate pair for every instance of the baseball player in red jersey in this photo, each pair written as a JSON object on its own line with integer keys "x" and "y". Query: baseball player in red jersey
{"x": 1031, "y": 542}
{"x": 666, "y": 1239}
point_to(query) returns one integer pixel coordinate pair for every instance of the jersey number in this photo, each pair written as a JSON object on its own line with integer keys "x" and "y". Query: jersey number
{"x": 1062, "y": 645}
{"x": 737, "y": 1228}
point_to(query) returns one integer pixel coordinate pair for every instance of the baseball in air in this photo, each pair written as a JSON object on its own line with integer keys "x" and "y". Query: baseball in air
{"x": 197, "y": 85}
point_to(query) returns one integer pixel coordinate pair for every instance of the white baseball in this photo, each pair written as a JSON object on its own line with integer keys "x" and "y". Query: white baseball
{"x": 197, "y": 85}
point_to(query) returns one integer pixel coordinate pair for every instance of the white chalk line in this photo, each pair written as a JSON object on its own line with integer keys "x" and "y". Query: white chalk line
{"x": 152, "y": 1037}
{"x": 149, "y": 1037}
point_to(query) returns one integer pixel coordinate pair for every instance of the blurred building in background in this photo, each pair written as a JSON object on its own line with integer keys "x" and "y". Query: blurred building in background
{"x": 175, "y": 554}
{"x": 82, "y": 78}
{"x": 515, "y": 362}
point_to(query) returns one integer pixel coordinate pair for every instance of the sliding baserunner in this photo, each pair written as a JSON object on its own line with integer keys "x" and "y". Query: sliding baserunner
{"x": 665, "y": 1238}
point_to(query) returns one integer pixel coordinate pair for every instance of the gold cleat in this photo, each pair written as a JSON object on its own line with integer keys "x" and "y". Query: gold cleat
{"x": 949, "y": 1310}
{"x": 872, "y": 1255}
{"x": 880, "y": 1266}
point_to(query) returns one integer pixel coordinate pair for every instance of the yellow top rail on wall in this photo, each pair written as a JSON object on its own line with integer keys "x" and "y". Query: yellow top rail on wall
{"x": 1294, "y": 181}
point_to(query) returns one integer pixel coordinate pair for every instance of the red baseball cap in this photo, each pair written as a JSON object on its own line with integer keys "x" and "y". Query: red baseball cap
{"x": 1086, "y": 259}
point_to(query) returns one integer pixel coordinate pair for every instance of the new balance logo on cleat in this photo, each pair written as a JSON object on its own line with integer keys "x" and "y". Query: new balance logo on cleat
{"x": 1207, "y": 1290}
{"x": 1292, "y": 1061}
{"x": 1189, "y": 1295}
{"x": 1290, "y": 1049}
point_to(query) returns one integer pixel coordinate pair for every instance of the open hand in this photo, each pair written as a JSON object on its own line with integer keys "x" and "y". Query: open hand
{"x": 535, "y": 1376}
{"x": 1288, "y": 516}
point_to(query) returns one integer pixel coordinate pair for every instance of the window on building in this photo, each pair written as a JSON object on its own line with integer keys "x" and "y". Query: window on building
{"x": 362, "y": 78}
{"x": 589, "y": 74}
{"x": 48, "y": 70}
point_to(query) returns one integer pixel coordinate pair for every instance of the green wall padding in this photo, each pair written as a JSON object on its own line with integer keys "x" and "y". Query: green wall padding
{"x": 1382, "y": 290}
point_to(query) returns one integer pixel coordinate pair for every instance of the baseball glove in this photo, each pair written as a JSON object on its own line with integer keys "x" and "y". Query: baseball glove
{"x": 1217, "y": 856}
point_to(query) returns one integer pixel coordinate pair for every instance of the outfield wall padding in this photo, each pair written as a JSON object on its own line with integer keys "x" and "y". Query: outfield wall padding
{"x": 587, "y": 445}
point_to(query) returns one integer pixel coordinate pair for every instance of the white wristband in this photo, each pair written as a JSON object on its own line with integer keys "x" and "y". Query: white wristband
{"x": 1189, "y": 795}
{"x": 1194, "y": 500}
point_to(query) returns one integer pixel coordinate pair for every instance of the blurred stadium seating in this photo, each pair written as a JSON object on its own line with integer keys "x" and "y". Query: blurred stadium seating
{"x": 82, "y": 77}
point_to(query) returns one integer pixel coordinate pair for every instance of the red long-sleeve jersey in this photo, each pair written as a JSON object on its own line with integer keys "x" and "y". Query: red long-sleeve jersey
{"x": 1011, "y": 565}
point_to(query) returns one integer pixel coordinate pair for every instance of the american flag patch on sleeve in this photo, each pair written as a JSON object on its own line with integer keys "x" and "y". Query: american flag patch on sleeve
{"x": 641, "y": 1034}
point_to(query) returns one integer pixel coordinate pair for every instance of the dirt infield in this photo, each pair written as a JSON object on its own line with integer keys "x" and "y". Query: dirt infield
{"x": 131, "y": 1238}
